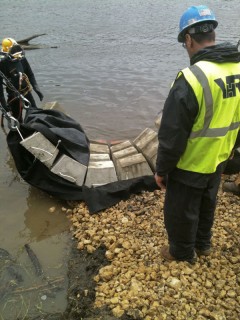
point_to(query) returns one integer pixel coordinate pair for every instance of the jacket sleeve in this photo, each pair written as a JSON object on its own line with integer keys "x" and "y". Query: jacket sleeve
{"x": 179, "y": 113}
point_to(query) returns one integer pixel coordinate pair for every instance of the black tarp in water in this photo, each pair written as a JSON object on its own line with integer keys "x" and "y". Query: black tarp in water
{"x": 55, "y": 126}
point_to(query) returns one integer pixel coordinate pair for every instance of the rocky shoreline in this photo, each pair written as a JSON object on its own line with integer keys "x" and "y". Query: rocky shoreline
{"x": 117, "y": 272}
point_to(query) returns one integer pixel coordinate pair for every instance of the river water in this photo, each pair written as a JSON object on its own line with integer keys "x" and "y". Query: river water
{"x": 109, "y": 64}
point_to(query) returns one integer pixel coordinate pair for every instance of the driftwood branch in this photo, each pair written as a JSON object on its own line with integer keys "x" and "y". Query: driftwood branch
{"x": 27, "y": 46}
{"x": 34, "y": 259}
{"x": 48, "y": 286}
{"x": 25, "y": 41}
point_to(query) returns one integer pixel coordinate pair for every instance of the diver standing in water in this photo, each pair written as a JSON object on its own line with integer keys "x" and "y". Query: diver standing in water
{"x": 16, "y": 68}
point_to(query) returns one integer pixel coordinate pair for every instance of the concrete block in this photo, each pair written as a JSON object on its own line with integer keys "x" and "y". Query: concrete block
{"x": 122, "y": 154}
{"x": 54, "y": 105}
{"x": 51, "y": 105}
{"x": 99, "y": 157}
{"x": 120, "y": 146}
{"x": 99, "y": 148}
{"x": 150, "y": 153}
{"x": 41, "y": 148}
{"x": 147, "y": 144}
{"x": 71, "y": 170}
{"x": 100, "y": 173}
{"x": 144, "y": 138}
{"x": 133, "y": 166}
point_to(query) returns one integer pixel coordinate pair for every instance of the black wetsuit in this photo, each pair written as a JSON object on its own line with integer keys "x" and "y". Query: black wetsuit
{"x": 12, "y": 69}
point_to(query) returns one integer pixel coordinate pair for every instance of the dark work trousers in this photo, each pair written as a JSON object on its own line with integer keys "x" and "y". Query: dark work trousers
{"x": 17, "y": 107}
{"x": 189, "y": 215}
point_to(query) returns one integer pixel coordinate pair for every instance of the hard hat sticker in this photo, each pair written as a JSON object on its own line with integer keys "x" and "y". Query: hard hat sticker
{"x": 204, "y": 12}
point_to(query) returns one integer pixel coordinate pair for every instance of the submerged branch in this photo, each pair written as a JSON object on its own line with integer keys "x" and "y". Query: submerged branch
{"x": 34, "y": 259}
{"x": 51, "y": 284}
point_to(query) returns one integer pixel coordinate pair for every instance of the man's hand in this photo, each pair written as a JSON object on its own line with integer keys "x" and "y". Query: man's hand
{"x": 38, "y": 92}
{"x": 159, "y": 181}
{"x": 40, "y": 95}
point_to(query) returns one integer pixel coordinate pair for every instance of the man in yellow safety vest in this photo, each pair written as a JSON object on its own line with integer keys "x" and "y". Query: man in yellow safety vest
{"x": 199, "y": 129}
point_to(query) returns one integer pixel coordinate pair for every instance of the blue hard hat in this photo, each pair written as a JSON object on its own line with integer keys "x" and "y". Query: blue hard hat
{"x": 196, "y": 15}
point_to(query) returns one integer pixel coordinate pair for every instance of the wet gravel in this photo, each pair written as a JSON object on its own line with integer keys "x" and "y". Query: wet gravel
{"x": 117, "y": 272}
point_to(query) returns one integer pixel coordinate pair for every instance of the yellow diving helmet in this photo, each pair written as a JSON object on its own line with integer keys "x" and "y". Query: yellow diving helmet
{"x": 7, "y": 44}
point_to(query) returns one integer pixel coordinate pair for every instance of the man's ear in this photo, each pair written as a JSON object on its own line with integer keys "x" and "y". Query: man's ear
{"x": 188, "y": 39}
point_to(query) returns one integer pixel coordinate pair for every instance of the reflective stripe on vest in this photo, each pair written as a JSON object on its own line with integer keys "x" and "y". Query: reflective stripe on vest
{"x": 216, "y": 126}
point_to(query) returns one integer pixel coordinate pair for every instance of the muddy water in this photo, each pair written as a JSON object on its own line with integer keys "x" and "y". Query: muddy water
{"x": 111, "y": 70}
{"x": 25, "y": 219}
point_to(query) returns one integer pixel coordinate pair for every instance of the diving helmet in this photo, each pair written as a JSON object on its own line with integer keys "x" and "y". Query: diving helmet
{"x": 7, "y": 44}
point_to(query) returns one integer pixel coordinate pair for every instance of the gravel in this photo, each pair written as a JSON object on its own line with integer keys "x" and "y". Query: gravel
{"x": 138, "y": 283}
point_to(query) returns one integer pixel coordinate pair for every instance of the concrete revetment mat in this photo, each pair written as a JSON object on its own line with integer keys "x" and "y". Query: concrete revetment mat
{"x": 41, "y": 148}
{"x": 99, "y": 148}
{"x": 100, "y": 173}
{"x": 133, "y": 166}
{"x": 70, "y": 170}
{"x": 99, "y": 157}
{"x": 147, "y": 144}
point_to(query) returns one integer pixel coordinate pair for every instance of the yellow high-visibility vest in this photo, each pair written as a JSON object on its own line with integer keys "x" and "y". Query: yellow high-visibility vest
{"x": 214, "y": 133}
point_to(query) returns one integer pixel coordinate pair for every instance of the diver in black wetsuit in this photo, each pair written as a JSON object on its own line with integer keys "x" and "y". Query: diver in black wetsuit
{"x": 16, "y": 68}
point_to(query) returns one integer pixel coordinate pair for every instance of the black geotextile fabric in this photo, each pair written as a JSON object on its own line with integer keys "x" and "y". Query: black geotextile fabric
{"x": 68, "y": 135}
{"x": 103, "y": 197}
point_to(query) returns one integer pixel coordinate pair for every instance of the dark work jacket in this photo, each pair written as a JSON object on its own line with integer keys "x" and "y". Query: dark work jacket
{"x": 179, "y": 113}
{"x": 11, "y": 70}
